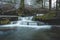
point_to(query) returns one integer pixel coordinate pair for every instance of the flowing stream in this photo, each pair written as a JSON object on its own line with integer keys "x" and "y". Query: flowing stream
{"x": 24, "y": 32}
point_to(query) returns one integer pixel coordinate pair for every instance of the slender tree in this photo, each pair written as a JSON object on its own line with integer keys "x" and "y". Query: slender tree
{"x": 22, "y": 4}
{"x": 44, "y": 3}
{"x": 21, "y": 8}
{"x": 59, "y": 3}
{"x": 56, "y": 5}
{"x": 50, "y": 2}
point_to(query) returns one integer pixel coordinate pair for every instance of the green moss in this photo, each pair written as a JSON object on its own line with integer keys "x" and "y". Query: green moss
{"x": 46, "y": 16}
{"x": 6, "y": 21}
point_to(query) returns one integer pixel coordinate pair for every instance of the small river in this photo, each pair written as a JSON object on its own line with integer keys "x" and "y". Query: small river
{"x": 24, "y": 33}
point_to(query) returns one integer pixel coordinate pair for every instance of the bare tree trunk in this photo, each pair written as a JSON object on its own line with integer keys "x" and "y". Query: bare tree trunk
{"x": 22, "y": 3}
{"x": 50, "y": 2}
{"x": 58, "y": 8}
{"x": 59, "y": 3}
{"x": 21, "y": 8}
{"x": 56, "y": 5}
{"x": 42, "y": 4}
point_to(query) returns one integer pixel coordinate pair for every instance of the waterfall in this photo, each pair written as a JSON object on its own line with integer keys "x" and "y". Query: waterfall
{"x": 27, "y": 22}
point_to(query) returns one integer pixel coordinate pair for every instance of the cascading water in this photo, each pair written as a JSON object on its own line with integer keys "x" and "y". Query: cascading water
{"x": 27, "y": 22}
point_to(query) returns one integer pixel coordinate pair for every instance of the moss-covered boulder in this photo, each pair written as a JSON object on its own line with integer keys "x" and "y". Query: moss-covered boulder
{"x": 4, "y": 21}
{"x": 46, "y": 16}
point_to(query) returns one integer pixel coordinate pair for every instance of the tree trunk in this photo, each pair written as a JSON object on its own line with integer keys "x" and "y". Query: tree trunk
{"x": 56, "y": 5}
{"x": 42, "y": 4}
{"x": 59, "y": 3}
{"x": 22, "y": 4}
{"x": 21, "y": 8}
{"x": 50, "y": 2}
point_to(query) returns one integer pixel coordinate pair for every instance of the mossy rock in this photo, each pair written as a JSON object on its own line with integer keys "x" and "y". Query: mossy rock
{"x": 5, "y": 21}
{"x": 46, "y": 16}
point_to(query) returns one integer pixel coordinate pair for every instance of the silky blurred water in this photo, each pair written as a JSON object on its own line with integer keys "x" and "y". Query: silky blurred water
{"x": 23, "y": 32}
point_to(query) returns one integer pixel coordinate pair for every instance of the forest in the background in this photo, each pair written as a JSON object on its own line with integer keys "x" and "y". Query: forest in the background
{"x": 42, "y": 10}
